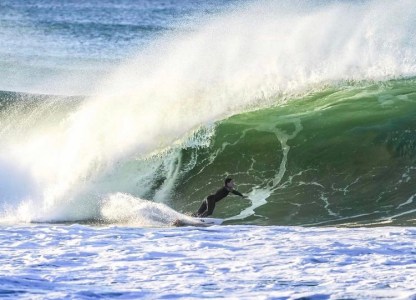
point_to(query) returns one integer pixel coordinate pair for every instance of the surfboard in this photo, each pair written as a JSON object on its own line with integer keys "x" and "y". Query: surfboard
{"x": 210, "y": 221}
{"x": 202, "y": 222}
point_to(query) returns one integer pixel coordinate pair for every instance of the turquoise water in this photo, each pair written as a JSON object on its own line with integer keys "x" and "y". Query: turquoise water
{"x": 339, "y": 156}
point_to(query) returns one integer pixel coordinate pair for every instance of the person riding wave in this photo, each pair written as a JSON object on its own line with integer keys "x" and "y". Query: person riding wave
{"x": 208, "y": 205}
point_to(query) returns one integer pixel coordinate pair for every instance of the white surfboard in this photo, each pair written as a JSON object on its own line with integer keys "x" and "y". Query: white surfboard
{"x": 210, "y": 221}
{"x": 203, "y": 222}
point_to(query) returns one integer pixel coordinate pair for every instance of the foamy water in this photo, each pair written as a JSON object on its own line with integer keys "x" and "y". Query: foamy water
{"x": 231, "y": 262}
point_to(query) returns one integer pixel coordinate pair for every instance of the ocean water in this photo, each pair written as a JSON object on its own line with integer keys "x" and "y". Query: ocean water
{"x": 231, "y": 262}
{"x": 119, "y": 117}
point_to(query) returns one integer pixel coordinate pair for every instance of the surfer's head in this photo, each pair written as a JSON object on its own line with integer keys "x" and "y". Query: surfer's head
{"x": 228, "y": 182}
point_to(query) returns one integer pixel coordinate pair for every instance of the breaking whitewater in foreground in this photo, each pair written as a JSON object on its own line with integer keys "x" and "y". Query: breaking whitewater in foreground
{"x": 232, "y": 262}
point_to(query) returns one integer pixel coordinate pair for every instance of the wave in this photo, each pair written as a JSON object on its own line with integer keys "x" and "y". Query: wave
{"x": 340, "y": 156}
{"x": 162, "y": 128}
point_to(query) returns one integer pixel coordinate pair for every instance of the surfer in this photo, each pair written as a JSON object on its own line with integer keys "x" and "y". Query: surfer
{"x": 208, "y": 205}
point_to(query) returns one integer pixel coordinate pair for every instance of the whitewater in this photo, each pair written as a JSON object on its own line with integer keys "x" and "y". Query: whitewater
{"x": 119, "y": 118}
{"x": 232, "y": 262}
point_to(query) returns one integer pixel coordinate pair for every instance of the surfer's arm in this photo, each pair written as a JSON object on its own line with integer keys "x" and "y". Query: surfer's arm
{"x": 237, "y": 193}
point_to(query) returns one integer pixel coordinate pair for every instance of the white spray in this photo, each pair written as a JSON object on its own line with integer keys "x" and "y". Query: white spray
{"x": 230, "y": 63}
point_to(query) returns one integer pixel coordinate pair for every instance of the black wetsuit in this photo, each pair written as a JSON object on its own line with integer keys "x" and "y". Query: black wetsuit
{"x": 208, "y": 205}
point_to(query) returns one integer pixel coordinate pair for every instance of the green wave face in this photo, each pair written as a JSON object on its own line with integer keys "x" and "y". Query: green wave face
{"x": 339, "y": 156}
